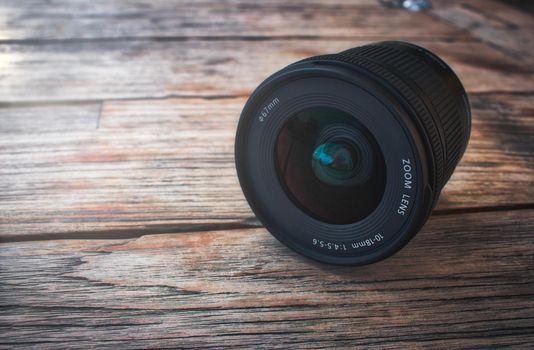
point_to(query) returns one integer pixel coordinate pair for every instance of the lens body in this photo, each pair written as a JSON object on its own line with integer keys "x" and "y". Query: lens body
{"x": 342, "y": 157}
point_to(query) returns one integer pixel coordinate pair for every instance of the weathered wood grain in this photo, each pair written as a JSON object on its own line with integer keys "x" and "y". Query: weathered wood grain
{"x": 48, "y": 117}
{"x": 117, "y": 122}
{"x": 496, "y": 23}
{"x": 167, "y": 165}
{"x": 141, "y": 69}
{"x": 449, "y": 288}
{"x": 73, "y": 20}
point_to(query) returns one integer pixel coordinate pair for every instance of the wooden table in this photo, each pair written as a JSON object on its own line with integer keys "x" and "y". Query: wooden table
{"x": 122, "y": 222}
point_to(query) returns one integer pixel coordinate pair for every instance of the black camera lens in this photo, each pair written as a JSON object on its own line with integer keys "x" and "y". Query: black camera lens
{"x": 342, "y": 157}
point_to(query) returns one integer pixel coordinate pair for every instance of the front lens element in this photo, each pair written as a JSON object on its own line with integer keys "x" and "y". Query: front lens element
{"x": 330, "y": 165}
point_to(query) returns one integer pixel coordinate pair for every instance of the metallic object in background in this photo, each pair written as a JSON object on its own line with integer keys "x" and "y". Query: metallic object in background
{"x": 412, "y": 5}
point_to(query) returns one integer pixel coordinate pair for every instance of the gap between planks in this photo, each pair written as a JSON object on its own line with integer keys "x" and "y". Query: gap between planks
{"x": 249, "y": 223}
{"x": 44, "y": 103}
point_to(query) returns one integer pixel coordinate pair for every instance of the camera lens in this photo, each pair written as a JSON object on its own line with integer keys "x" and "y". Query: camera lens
{"x": 342, "y": 157}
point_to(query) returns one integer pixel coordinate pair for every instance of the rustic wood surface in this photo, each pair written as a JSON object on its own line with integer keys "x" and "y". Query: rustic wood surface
{"x": 121, "y": 220}
{"x": 451, "y": 287}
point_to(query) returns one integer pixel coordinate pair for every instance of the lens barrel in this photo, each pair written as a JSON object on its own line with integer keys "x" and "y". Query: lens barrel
{"x": 342, "y": 157}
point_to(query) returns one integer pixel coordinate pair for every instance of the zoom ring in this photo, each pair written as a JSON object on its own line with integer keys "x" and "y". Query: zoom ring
{"x": 447, "y": 110}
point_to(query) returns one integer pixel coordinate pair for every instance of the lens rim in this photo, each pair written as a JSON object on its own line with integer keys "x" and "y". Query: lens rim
{"x": 250, "y": 165}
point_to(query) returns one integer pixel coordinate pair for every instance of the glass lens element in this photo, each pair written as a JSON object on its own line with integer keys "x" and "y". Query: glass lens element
{"x": 330, "y": 165}
{"x": 333, "y": 162}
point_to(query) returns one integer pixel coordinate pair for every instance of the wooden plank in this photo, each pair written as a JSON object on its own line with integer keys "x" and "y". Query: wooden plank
{"x": 496, "y": 23}
{"x": 110, "y": 179}
{"x": 140, "y": 69}
{"x": 68, "y": 20}
{"x": 451, "y": 287}
{"x": 41, "y": 118}
{"x": 167, "y": 165}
